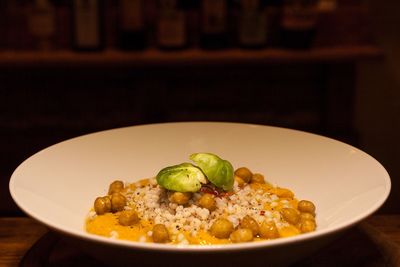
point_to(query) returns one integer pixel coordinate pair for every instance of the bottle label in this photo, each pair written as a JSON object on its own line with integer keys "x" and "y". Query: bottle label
{"x": 252, "y": 24}
{"x": 171, "y": 25}
{"x": 214, "y": 16}
{"x": 253, "y": 29}
{"x": 86, "y": 23}
{"x": 131, "y": 15}
{"x": 299, "y": 16}
{"x": 41, "y": 23}
{"x": 327, "y": 5}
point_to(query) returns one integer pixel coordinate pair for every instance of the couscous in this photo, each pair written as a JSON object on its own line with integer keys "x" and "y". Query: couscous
{"x": 241, "y": 207}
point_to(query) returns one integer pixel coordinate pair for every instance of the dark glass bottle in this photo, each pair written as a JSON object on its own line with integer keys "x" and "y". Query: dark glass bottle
{"x": 214, "y": 24}
{"x": 171, "y": 25}
{"x": 87, "y": 28}
{"x": 42, "y": 24}
{"x": 131, "y": 25}
{"x": 3, "y": 23}
{"x": 273, "y": 9}
{"x": 299, "y": 20}
{"x": 252, "y": 26}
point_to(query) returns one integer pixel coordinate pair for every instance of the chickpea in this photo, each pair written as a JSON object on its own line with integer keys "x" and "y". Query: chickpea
{"x": 306, "y": 216}
{"x": 249, "y": 223}
{"x": 207, "y": 201}
{"x": 283, "y": 192}
{"x": 239, "y": 181}
{"x": 128, "y": 217}
{"x": 290, "y": 215}
{"x": 160, "y": 233}
{"x": 306, "y": 206}
{"x": 115, "y": 187}
{"x": 258, "y": 178}
{"x": 118, "y": 202}
{"x": 307, "y": 226}
{"x": 221, "y": 228}
{"x": 268, "y": 230}
{"x": 180, "y": 198}
{"x": 244, "y": 173}
{"x": 241, "y": 235}
{"x": 102, "y": 205}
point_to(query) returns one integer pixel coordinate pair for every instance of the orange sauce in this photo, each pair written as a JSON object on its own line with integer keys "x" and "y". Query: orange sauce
{"x": 105, "y": 224}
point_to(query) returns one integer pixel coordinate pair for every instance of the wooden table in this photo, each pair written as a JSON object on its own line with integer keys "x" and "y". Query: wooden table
{"x": 18, "y": 234}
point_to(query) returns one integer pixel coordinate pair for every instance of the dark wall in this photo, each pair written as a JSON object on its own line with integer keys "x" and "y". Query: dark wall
{"x": 378, "y": 95}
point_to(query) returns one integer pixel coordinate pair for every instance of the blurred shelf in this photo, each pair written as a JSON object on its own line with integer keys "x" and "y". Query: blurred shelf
{"x": 191, "y": 57}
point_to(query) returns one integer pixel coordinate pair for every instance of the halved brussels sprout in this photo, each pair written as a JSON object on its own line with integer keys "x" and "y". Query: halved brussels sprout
{"x": 218, "y": 171}
{"x": 184, "y": 177}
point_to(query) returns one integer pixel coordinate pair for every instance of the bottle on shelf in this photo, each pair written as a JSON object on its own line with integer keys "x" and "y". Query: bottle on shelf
{"x": 87, "y": 29}
{"x": 62, "y": 36}
{"x": 252, "y": 26}
{"x": 42, "y": 24}
{"x": 131, "y": 25}
{"x": 171, "y": 25}
{"x": 214, "y": 24}
{"x": 17, "y": 35}
{"x": 299, "y": 21}
{"x": 3, "y": 23}
{"x": 273, "y": 9}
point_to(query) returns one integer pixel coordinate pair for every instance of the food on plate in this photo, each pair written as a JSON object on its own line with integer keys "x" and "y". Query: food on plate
{"x": 204, "y": 203}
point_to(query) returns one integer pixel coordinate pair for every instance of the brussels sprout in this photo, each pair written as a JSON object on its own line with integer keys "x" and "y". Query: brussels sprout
{"x": 218, "y": 171}
{"x": 184, "y": 177}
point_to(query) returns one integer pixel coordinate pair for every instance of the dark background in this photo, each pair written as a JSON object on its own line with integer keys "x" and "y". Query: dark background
{"x": 354, "y": 100}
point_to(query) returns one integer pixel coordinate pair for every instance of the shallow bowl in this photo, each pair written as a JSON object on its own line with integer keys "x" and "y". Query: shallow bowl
{"x": 57, "y": 185}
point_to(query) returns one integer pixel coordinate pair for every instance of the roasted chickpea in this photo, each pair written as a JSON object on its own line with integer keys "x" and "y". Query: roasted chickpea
{"x": 307, "y": 226}
{"x": 118, "y": 202}
{"x": 128, "y": 217}
{"x": 160, "y": 233}
{"x": 306, "y": 206}
{"x": 221, "y": 228}
{"x": 239, "y": 181}
{"x": 241, "y": 235}
{"x": 180, "y": 198}
{"x": 290, "y": 215}
{"x": 102, "y": 205}
{"x": 283, "y": 192}
{"x": 249, "y": 223}
{"x": 115, "y": 187}
{"x": 207, "y": 201}
{"x": 306, "y": 216}
{"x": 268, "y": 230}
{"x": 244, "y": 173}
{"x": 257, "y": 178}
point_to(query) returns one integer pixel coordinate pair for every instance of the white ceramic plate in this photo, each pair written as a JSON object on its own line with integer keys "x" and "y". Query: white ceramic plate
{"x": 57, "y": 185}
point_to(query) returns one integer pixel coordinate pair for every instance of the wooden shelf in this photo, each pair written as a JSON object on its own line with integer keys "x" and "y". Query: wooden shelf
{"x": 191, "y": 57}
